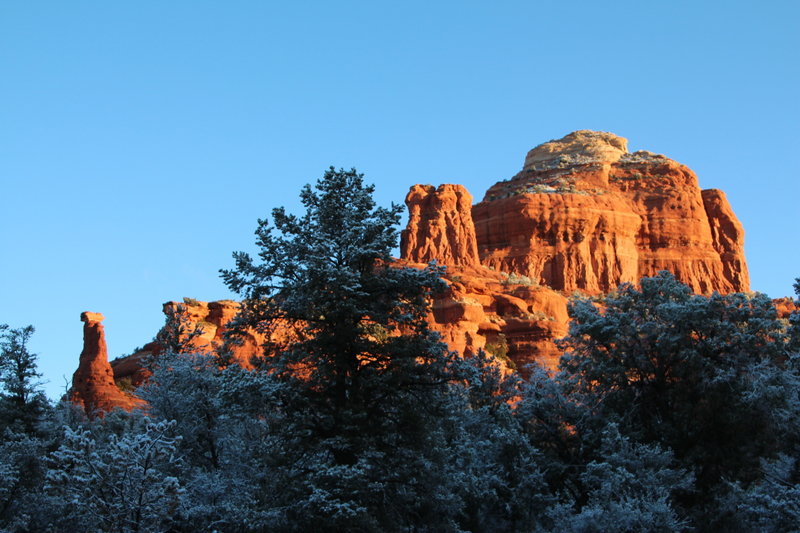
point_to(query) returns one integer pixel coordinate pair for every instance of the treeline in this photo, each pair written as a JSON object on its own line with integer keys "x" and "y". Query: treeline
{"x": 671, "y": 412}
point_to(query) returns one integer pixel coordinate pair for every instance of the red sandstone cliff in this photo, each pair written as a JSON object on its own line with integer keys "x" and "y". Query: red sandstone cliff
{"x": 209, "y": 320}
{"x": 508, "y": 316}
{"x": 583, "y": 214}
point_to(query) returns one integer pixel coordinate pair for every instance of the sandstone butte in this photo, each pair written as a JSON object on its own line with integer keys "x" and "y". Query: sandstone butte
{"x": 583, "y": 214}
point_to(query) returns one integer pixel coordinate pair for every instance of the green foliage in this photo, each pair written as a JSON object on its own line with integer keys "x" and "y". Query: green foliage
{"x": 125, "y": 384}
{"x": 22, "y": 404}
{"x": 499, "y": 349}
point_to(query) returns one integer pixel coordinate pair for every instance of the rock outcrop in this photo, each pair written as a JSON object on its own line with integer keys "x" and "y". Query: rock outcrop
{"x": 508, "y": 316}
{"x": 785, "y": 307}
{"x": 585, "y": 214}
{"x": 727, "y": 235}
{"x": 203, "y": 326}
{"x": 439, "y": 226}
{"x": 93, "y": 385}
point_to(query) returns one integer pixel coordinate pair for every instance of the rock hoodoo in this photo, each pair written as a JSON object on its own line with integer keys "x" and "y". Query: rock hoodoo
{"x": 93, "y": 385}
{"x": 440, "y": 226}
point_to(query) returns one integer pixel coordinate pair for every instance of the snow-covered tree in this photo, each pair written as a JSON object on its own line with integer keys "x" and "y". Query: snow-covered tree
{"x": 495, "y": 468}
{"x": 223, "y": 417}
{"x": 21, "y": 476}
{"x": 367, "y": 381}
{"x": 703, "y": 377}
{"x": 771, "y": 505}
{"x": 120, "y": 483}
{"x": 627, "y": 487}
{"x": 599, "y": 479}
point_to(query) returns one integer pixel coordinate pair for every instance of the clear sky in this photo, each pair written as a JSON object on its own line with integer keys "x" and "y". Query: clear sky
{"x": 140, "y": 141}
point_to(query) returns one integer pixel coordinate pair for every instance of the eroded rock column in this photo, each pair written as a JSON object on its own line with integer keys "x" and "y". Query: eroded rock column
{"x": 93, "y": 385}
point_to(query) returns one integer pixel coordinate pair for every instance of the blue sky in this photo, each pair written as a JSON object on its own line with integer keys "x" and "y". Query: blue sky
{"x": 140, "y": 141}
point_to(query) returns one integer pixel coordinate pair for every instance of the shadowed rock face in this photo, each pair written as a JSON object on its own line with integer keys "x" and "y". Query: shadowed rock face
{"x": 93, "y": 385}
{"x": 584, "y": 214}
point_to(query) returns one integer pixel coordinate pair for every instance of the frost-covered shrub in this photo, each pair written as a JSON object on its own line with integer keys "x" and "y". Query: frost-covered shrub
{"x": 119, "y": 483}
{"x": 519, "y": 279}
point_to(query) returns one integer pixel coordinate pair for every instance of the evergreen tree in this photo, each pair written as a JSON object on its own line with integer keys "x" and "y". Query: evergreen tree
{"x": 104, "y": 481}
{"x": 367, "y": 383}
{"x": 22, "y": 403}
{"x": 23, "y": 408}
{"x": 703, "y": 377}
{"x": 496, "y": 468}
{"x": 223, "y": 417}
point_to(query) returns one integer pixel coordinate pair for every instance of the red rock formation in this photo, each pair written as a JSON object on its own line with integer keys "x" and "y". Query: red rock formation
{"x": 728, "y": 237}
{"x": 210, "y": 319}
{"x": 93, "y": 385}
{"x": 785, "y": 307}
{"x": 508, "y": 316}
{"x": 584, "y": 214}
{"x": 439, "y": 226}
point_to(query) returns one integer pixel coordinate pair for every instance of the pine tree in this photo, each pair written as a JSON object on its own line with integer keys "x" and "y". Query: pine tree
{"x": 223, "y": 417}
{"x": 22, "y": 403}
{"x": 367, "y": 380}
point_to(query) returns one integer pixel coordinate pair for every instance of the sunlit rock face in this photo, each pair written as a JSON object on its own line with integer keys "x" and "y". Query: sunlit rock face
{"x": 93, "y": 385}
{"x": 585, "y": 214}
{"x": 510, "y": 317}
{"x": 440, "y": 226}
{"x": 204, "y": 325}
